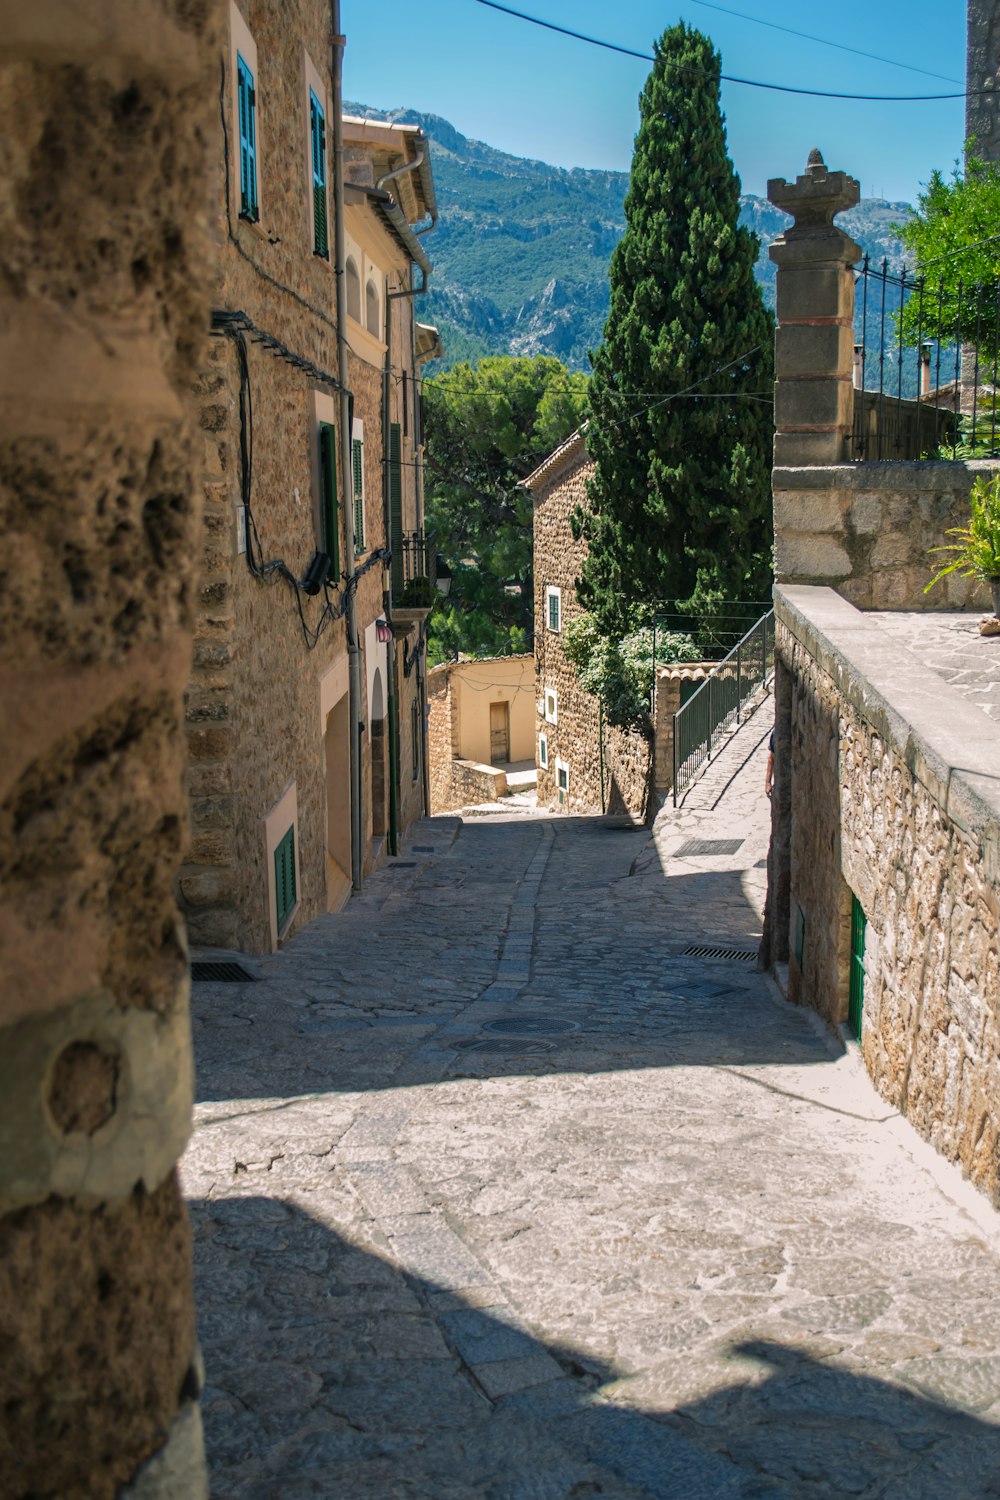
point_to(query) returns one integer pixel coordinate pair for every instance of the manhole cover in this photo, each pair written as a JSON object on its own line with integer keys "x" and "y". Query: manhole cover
{"x": 530, "y": 1026}
{"x": 707, "y": 950}
{"x": 708, "y": 846}
{"x": 507, "y": 1045}
{"x": 220, "y": 973}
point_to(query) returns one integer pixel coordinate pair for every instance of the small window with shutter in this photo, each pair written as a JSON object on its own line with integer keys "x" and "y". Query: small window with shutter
{"x": 317, "y": 136}
{"x": 329, "y": 507}
{"x": 358, "y": 479}
{"x": 246, "y": 98}
{"x": 285, "y": 894}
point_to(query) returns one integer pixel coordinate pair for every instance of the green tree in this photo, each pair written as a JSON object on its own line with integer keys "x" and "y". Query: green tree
{"x": 486, "y": 428}
{"x": 953, "y": 240}
{"x": 679, "y": 505}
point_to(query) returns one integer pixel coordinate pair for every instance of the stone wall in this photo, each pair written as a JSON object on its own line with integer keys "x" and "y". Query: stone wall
{"x": 867, "y": 530}
{"x": 671, "y": 681}
{"x": 591, "y": 753}
{"x": 889, "y": 777}
{"x": 105, "y": 262}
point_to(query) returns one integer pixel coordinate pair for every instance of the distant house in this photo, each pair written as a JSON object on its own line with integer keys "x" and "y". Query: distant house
{"x": 306, "y": 745}
{"x": 480, "y": 728}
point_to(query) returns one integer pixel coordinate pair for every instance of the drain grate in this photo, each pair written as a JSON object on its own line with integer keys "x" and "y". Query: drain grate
{"x": 530, "y": 1026}
{"x": 708, "y": 846}
{"x": 220, "y": 973}
{"x": 402, "y": 864}
{"x": 709, "y": 950}
{"x": 507, "y": 1045}
{"x": 423, "y": 848}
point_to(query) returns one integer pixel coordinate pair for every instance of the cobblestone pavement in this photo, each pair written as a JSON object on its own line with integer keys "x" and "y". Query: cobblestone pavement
{"x": 951, "y": 646}
{"x": 499, "y": 1194}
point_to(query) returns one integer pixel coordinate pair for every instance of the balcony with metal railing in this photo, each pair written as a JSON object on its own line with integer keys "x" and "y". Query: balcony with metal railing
{"x": 414, "y": 576}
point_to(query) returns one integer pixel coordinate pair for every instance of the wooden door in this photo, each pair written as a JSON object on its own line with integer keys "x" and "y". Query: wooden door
{"x": 499, "y": 733}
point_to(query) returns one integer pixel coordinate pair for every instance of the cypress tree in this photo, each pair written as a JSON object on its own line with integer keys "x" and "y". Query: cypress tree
{"x": 679, "y": 507}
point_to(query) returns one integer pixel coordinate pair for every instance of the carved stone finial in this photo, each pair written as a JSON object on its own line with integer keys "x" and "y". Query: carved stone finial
{"x": 815, "y": 163}
{"x": 815, "y": 197}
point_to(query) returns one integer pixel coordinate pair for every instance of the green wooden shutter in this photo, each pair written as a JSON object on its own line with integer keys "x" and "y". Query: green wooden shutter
{"x": 856, "y": 1000}
{"x": 284, "y": 877}
{"x": 317, "y": 128}
{"x": 247, "y": 102}
{"x": 330, "y": 507}
{"x": 396, "y": 508}
{"x": 358, "y": 462}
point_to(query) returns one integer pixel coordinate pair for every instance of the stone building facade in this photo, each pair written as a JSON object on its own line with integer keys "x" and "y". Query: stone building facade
{"x": 106, "y": 259}
{"x": 297, "y": 528}
{"x": 481, "y": 717}
{"x": 583, "y": 763}
{"x": 884, "y": 870}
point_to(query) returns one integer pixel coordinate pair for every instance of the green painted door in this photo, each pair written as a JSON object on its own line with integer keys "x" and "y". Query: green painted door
{"x": 857, "y": 985}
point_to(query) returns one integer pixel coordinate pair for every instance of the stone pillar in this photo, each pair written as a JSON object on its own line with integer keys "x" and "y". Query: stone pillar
{"x": 107, "y": 112}
{"x": 982, "y": 71}
{"x": 814, "y": 343}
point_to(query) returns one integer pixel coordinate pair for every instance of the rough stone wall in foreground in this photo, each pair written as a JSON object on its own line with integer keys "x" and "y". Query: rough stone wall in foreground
{"x": 867, "y": 531}
{"x": 104, "y": 263}
{"x": 861, "y": 821}
{"x": 575, "y": 736}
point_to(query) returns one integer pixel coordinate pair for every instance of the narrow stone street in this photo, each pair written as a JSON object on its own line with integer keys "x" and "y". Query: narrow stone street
{"x": 499, "y": 1192}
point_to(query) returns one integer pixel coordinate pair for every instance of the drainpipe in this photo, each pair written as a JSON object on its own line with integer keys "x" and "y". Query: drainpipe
{"x": 340, "y": 260}
{"x": 390, "y": 651}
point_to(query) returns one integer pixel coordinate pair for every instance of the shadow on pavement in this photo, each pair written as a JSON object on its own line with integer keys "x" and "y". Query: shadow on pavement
{"x": 330, "y": 1372}
{"x": 366, "y": 999}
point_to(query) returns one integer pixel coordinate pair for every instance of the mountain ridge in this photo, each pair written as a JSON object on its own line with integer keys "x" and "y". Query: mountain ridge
{"x": 522, "y": 248}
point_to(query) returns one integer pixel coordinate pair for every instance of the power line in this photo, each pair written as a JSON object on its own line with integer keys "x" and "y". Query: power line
{"x": 823, "y": 41}
{"x": 753, "y": 83}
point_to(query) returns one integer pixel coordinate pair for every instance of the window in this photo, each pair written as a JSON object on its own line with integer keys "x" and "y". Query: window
{"x": 415, "y": 729}
{"x": 246, "y": 99}
{"x": 396, "y": 508}
{"x": 551, "y": 706}
{"x": 543, "y": 751}
{"x": 317, "y": 137}
{"x": 284, "y": 877}
{"x": 329, "y": 506}
{"x": 856, "y": 987}
{"x": 553, "y": 608}
{"x": 353, "y": 290}
{"x": 562, "y": 780}
{"x": 358, "y": 477}
{"x": 373, "y": 310}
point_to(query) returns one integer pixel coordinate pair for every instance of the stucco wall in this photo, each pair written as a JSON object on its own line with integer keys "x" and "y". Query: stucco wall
{"x": 105, "y": 264}
{"x": 900, "y": 808}
{"x": 867, "y": 530}
{"x": 575, "y": 737}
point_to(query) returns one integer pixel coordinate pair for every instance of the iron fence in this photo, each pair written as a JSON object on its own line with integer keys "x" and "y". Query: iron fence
{"x": 713, "y": 633}
{"x": 719, "y": 703}
{"x": 925, "y": 366}
{"x": 414, "y": 570}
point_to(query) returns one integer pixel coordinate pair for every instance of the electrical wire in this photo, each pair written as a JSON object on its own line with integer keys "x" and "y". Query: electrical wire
{"x": 753, "y": 83}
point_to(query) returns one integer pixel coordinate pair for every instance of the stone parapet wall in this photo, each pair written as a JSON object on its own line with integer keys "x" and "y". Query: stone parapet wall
{"x": 670, "y": 681}
{"x": 107, "y": 116}
{"x": 889, "y": 779}
{"x": 867, "y": 531}
{"x": 472, "y": 782}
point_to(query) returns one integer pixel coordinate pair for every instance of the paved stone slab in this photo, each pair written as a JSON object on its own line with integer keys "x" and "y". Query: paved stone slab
{"x": 679, "y": 1250}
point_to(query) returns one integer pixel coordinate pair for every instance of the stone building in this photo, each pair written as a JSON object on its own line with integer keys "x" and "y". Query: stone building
{"x": 481, "y": 725}
{"x": 583, "y": 763}
{"x": 301, "y": 705}
{"x": 884, "y": 872}
{"x": 105, "y": 269}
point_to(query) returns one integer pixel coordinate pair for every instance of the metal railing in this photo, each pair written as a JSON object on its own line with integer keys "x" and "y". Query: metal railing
{"x": 925, "y": 371}
{"x": 719, "y": 702}
{"x": 414, "y": 570}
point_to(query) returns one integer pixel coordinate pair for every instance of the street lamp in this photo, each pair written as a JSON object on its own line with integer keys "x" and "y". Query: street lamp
{"x": 443, "y": 577}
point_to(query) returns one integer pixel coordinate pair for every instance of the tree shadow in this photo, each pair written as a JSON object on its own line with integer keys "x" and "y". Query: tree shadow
{"x": 373, "y": 998}
{"x": 333, "y": 1372}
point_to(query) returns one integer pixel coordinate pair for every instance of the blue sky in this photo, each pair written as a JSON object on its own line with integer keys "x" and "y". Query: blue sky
{"x": 537, "y": 94}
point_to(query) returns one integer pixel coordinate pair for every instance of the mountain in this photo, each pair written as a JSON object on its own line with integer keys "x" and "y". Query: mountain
{"x": 521, "y": 248}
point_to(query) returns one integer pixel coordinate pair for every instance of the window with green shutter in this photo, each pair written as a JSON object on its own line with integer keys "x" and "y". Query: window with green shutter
{"x": 246, "y": 98}
{"x": 358, "y": 475}
{"x": 284, "y": 877}
{"x": 856, "y": 992}
{"x": 396, "y": 508}
{"x": 415, "y": 732}
{"x": 330, "y": 509}
{"x": 317, "y": 133}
